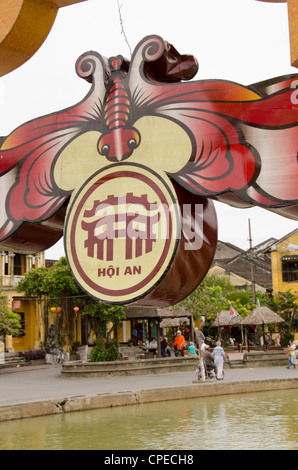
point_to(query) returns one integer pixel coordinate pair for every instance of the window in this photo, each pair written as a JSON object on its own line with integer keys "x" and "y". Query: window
{"x": 17, "y": 268}
{"x": 289, "y": 268}
{"x": 22, "y": 322}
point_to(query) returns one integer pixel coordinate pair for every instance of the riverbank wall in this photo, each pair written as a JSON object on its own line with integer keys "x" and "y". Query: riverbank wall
{"x": 137, "y": 396}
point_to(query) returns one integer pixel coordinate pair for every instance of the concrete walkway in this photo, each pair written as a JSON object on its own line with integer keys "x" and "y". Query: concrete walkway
{"x": 41, "y": 390}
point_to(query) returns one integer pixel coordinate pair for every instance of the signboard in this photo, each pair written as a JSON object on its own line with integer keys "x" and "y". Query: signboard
{"x": 130, "y": 172}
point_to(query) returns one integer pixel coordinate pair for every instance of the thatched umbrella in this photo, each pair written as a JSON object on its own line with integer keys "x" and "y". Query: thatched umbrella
{"x": 173, "y": 322}
{"x": 225, "y": 320}
{"x": 262, "y": 316}
{"x": 169, "y": 323}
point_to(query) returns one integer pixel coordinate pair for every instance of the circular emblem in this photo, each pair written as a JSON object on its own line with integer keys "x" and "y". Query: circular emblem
{"x": 122, "y": 231}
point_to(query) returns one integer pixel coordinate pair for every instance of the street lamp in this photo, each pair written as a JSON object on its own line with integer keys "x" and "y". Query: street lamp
{"x": 76, "y": 309}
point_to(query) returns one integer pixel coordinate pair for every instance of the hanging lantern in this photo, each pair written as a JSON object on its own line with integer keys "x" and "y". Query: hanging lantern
{"x": 59, "y": 309}
{"x": 76, "y": 309}
{"x": 53, "y": 309}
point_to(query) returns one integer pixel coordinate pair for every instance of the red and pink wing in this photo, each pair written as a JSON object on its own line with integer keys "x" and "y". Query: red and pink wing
{"x": 244, "y": 139}
{"x": 248, "y": 147}
{"x": 28, "y": 156}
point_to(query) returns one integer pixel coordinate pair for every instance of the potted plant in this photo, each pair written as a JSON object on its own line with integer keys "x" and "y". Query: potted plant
{"x": 130, "y": 342}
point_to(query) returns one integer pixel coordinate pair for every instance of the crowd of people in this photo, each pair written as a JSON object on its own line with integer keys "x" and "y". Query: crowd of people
{"x": 213, "y": 360}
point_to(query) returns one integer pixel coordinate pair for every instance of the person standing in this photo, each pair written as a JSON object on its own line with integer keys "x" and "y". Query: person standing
{"x": 199, "y": 337}
{"x": 134, "y": 335}
{"x": 219, "y": 358}
{"x": 292, "y": 355}
{"x": 179, "y": 343}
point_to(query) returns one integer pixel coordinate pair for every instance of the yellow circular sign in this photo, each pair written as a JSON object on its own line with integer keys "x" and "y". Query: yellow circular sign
{"x": 122, "y": 232}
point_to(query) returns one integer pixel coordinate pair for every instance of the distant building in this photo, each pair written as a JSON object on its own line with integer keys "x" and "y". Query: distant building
{"x": 13, "y": 267}
{"x": 235, "y": 263}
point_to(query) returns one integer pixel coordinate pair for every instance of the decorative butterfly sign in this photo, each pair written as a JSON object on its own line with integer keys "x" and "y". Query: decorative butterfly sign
{"x": 130, "y": 172}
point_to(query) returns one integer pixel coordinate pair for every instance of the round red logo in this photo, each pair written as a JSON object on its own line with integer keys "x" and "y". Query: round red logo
{"x": 122, "y": 232}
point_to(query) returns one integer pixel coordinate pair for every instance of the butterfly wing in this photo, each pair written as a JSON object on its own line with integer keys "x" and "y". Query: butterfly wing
{"x": 243, "y": 139}
{"x": 29, "y": 154}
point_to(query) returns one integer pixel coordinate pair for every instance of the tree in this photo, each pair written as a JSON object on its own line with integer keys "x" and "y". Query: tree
{"x": 210, "y": 297}
{"x": 58, "y": 287}
{"x": 9, "y": 320}
{"x": 55, "y": 282}
{"x": 286, "y": 306}
{"x": 101, "y": 315}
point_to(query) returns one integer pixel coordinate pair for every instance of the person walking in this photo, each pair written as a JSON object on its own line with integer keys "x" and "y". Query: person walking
{"x": 219, "y": 358}
{"x": 179, "y": 343}
{"x": 292, "y": 355}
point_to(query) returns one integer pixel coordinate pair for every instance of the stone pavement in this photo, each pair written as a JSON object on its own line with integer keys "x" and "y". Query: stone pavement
{"x": 40, "y": 390}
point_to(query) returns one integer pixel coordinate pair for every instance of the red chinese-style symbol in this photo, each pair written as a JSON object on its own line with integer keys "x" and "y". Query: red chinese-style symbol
{"x": 124, "y": 217}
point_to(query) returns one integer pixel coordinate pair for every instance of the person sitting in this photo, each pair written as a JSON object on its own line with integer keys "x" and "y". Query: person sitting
{"x": 208, "y": 359}
{"x": 179, "y": 343}
{"x": 153, "y": 346}
{"x": 164, "y": 347}
{"x": 192, "y": 351}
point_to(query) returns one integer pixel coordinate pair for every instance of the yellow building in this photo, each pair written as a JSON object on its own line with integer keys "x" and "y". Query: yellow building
{"x": 13, "y": 267}
{"x": 284, "y": 259}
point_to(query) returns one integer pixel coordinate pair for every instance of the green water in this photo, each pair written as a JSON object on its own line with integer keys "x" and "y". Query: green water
{"x": 266, "y": 420}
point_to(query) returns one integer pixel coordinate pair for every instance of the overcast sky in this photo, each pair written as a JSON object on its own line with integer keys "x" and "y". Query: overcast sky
{"x": 245, "y": 41}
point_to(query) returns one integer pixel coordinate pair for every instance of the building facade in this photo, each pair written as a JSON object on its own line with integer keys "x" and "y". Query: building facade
{"x": 13, "y": 267}
{"x": 284, "y": 258}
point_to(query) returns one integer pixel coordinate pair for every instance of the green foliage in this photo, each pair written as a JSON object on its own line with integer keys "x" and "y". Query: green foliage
{"x": 9, "y": 320}
{"x": 214, "y": 294}
{"x": 286, "y": 306}
{"x": 286, "y": 338}
{"x": 102, "y": 314}
{"x": 33, "y": 283}
{"x": 211, "y": 295}
{"x": 108, "y": 352}
{"x": 51, "y": 282}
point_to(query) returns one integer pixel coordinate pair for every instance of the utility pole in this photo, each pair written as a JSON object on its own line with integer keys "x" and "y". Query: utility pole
{"x": 252, "y": 266}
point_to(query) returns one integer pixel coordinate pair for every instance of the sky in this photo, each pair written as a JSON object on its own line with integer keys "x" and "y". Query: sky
{"x": 245, "y": 41}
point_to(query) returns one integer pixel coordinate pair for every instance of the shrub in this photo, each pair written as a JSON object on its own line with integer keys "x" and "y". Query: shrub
{"x": 33, "y": 354}
{"x": 109, "y": 353}
{"x": 286, "y": 337}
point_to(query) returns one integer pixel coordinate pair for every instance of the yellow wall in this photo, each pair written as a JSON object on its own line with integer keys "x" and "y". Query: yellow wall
{"x": 34, "y": 326}
{"x": 282, "y": 250}
{"x": 124, "y": 331}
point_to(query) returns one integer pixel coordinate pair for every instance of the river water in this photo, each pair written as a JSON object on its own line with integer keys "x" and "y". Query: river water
{"x": 254, "y": 421}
